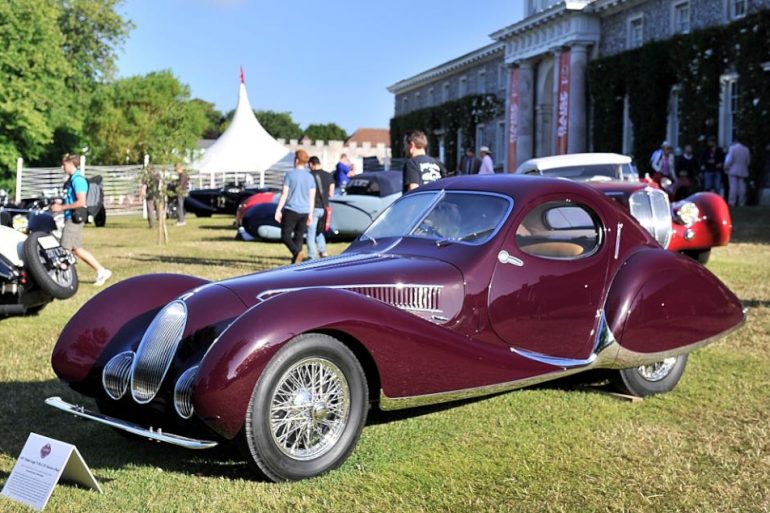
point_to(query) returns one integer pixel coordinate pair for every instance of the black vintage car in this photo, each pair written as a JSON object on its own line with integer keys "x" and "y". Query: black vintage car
{"x": 222, "y": 200}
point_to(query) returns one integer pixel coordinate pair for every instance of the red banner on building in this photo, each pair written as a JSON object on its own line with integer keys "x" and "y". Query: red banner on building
{"x": 562, "y": 119}
{"x": 513, "y": 120}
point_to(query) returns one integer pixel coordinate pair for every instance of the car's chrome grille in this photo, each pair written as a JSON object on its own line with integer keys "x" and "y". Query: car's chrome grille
{"x": 156, "y": 350}
{"x": 116, "y": 374}
{"x": 183, "y": 393}
{"x": 424, "y": 298}
{"x": 651, "y": 208}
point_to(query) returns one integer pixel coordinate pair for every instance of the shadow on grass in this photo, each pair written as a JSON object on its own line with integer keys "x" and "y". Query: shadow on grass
{"x": 750, "y": 225}
{"x": 228, "y": 226}
{"x": 170, "y": 259}
{"x": 102, "y": 447}
{"x": 755, "y": 303}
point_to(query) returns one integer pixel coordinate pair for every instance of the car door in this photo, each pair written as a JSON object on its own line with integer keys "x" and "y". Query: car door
{"x": 549, "y": 281}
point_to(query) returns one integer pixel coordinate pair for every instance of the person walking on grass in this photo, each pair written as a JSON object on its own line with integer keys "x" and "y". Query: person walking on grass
{"x": 74, "y": 208}
{"x": 316, "y": 241}
{"x": 295, "y": 205}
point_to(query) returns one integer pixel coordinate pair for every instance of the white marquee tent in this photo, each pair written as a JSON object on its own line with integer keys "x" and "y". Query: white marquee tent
{"x": 245, "y": 147}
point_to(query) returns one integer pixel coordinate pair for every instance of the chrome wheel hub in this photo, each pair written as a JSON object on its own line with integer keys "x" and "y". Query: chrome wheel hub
{"x": 657, "y": 371}
{"x": 309, "y": 409}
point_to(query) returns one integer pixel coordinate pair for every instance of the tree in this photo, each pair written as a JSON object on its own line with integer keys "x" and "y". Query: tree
{"x": 140, "y": 115}
{"x": 32, "y": 70}
{"x": 326, "y": 132}
{"x": 214, "y": 119}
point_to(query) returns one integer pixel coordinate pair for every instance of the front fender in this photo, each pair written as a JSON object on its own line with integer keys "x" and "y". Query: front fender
{"x": 713, "y": 229}
{"x": 92, "y": 328}
{"x": 660, "y": 300}
{"x": 412, "y": 356}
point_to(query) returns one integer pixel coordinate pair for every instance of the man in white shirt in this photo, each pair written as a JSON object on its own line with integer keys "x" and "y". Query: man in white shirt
{"x": 487, "y": 166}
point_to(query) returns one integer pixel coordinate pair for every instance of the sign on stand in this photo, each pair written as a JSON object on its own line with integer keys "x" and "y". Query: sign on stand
{"x": 42, "y": 463}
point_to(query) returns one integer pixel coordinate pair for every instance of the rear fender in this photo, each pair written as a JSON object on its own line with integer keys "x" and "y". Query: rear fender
{"x": 95, "y": 325}
{"x": 660, "y": 300}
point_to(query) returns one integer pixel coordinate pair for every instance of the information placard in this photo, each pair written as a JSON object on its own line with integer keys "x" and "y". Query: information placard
{"x": 42, "y": 463}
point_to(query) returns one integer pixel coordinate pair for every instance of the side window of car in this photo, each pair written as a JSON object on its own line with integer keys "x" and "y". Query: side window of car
{"x": 561, "y": 230}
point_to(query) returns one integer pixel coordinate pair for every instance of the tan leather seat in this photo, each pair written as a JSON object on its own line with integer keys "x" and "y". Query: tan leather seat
{"x": 553, "y": 249}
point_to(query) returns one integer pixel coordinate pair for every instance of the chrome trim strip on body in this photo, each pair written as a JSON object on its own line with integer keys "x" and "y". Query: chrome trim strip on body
{"x": 617, "y": 240}
{"x": 612, "y": 356}
{"x": 412, "y": 297}
{"x": 135, "y": 429}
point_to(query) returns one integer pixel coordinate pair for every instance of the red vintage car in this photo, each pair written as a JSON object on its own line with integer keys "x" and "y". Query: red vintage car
{"x": 465, "y": 287}
{"x": 699, "y": 222}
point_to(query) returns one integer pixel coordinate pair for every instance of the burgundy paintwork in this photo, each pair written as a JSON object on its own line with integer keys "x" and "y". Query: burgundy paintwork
{"x": 654, "y": 300}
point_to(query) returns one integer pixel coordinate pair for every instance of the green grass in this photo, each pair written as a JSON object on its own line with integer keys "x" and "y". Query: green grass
{"x": 704, "y": 447}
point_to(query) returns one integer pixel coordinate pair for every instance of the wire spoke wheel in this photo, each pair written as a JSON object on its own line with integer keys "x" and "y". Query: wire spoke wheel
{"x": 657, "y": 371}
{"x": 309, "y": 409}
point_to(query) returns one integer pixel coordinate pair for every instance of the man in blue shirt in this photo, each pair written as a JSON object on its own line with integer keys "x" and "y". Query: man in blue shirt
{"x": 75, "y": 190}
{"x": 295, "y": 205}
{"x": 344, "y": 170}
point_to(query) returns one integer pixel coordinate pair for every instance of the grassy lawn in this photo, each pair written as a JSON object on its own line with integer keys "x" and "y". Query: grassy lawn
{"x": 704, "y": 447}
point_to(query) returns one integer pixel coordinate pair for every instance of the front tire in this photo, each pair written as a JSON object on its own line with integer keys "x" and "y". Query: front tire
{"x": 656, "y": 378}
{"x": 307, "y": 409}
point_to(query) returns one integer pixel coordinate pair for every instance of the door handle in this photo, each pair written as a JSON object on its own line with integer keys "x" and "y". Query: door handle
{"x": 506, "y": 258}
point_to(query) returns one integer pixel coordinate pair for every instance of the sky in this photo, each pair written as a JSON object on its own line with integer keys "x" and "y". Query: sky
{"x": 325, "y": 61}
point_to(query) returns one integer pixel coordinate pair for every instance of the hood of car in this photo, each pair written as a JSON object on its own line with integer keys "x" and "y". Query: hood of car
{"x": 430, "y": 288}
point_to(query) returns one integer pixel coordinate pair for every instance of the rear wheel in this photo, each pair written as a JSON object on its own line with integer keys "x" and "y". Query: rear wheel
{"x": 700, "y": 256}
{"x": 307, "y": 409}
{"x": 655, "y": 378}
{"x": 58, "y": 278}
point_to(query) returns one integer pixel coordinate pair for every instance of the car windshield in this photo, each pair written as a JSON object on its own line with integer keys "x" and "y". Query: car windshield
{"x": 587, "y": 172}
{"x": 443, "y": 216}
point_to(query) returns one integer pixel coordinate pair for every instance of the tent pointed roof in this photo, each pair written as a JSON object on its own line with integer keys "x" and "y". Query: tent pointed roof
{"x": 245, "y": 146}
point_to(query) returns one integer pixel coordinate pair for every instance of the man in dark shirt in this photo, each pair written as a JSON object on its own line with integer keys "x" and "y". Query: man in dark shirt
{"x": 469, "y": 164}
{"x": 316, "y": 242}
{"x": 420, "y": 168}
{"x": 711, "y": 163}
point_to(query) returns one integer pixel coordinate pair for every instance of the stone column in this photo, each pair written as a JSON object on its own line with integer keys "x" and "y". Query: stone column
{"x": 526, "y": 112}
{"x": 578, "y": 105}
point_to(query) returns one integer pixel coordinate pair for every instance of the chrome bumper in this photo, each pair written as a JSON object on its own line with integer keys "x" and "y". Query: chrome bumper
{"x": 152, "y": 434}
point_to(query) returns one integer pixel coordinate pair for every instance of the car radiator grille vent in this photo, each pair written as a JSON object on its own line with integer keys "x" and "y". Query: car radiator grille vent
{"x": 156, "y": 350}
{"x": 424, "y": 298}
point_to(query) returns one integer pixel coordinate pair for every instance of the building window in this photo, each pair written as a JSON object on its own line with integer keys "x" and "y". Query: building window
{"x": 728, "y": 109}
{"x": 431, "y": 97}
{"x": 479, "y": 137}
{"x": 446, "y": 92}
{"x": 417, "y": 100}
{"x": 502, "y": 76}
{"x": 405, "y": 104}
{"x": 463, "y": 86}
{"x": 501, "y": 146}
{"x": 682, "y": 17}
{"x": 736, "y": 9}
{"x": 672, "y": 129}
{"x": 628, "y": 128}
{"x": 636, "y": 32}
{"x": 482, "y": 85}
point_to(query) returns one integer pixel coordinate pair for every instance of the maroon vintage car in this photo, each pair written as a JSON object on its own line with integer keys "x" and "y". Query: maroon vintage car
{"x": 465, "y": 287}
{"x": 698, "y": 221}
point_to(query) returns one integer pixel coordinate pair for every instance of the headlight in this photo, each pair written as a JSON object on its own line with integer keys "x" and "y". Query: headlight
{"x": 20, "y": 223}
{"x": 687, "y": 213}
